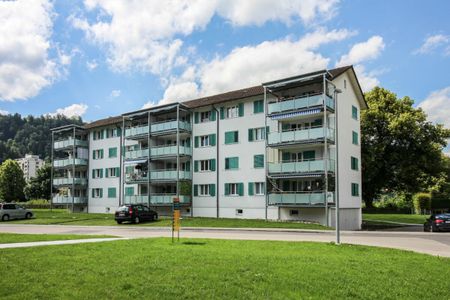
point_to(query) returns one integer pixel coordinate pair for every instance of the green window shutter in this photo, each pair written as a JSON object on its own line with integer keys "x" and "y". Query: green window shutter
{"x": 227, "y": 163}
{"x": 241, "y": 109}
{"x": 196, "y": 117}
{"x": 236, "y": 163}
{"x": 236, "y": 136}
{"x": 212, "y": 189}
{"x": 196, "y": 142}
{"x": 231, "y": 163}
{"x": 212, "y": 139}
{"x": 101, "y": 173}
{"x": 354, "y": 112}
{"x": 267, "y": 132}
{"x": 112, "y": 152}
{"x": 212, "y": 163}
{"x": 195, "y": 165}
{"x": 309, "y": 155}
{"x": 119, "y": 131}
{"x": 250, "y": 188}
{"x": 93, "y": 155}
{"x": 93, "y": 173}
{"x": 93, "y": 193}
{"x": 241, "y": 189}
{"x": 195, "y": 189}
{"x": 354, "y": 138}
{"x": 118, "y": 172}
{"x": 258, "y": 161}
{"x": 111, "y": 192}
{"x": 106, "y": 172}
{"x": 258, "y": 106}
{"x": 188, "y": 166}
{"x": 250, "y": 134}
{"x": 102, "y": 134}
{"x": 222, "y": 113}
{"x": 227, "y": 189}
{"x": 101, "y": 193}
{"x": 229, "y": 135}
{"x": 286, "y": 156}
{"x": 129, "y": 191}
{"x": 212, "y": 115}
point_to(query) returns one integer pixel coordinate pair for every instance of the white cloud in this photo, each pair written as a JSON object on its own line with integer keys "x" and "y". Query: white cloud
{"x": 149, "y": 104}
{"x": 91, "y": 65}
{"x": 4, "y": 112}
{"x": 437, "y": 106}
{"x": 431, "y": 43}
{"x": 25, "y": 66}
{"x": 74, "y": 110}
{"x": 115, "y": 93}
{"x": 368, "y": 80}
{"x": 364, "y": 51}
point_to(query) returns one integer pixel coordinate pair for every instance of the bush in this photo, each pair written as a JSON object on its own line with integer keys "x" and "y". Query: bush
{"x": 393, "y": 202}
{"x": 422, "y": 203}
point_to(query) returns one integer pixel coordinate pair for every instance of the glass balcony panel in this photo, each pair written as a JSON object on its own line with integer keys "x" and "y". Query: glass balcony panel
{"x": 170, "y": 150}
{"x": 136, "y": 177}
{"x": 66, "y": 181}
{"x": 170, "y": 125}
{"x": 134, "y": 154}
{"x": 68, "y": 200}
{"x": 300, "y": 103}
{"x": 137, "y": 130}
{"x": 301, "y": 166}
{"x": 169, "y": 175}
{"x": 69, "y": 143}
{"x": 70, "y": 162}
{"x": 299, "y": 135}
{"x": 299, "y": 198}
{"x": 136, "y": 199}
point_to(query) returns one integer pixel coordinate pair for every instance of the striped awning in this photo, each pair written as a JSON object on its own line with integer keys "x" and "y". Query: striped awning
{"x": 304, "y": 175}
{"x": 135, "y": 162}
{"x": 296, "y": 113}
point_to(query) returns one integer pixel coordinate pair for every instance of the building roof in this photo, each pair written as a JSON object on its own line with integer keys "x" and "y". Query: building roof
{"x": 104, "y": 122}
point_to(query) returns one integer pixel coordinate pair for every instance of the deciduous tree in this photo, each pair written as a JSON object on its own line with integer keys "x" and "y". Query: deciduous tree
{"x": 12, "y": 182}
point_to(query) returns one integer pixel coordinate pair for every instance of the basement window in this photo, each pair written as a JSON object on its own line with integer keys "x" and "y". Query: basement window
{"x": 293, "y": 212}
{"x": 239, "y": 212}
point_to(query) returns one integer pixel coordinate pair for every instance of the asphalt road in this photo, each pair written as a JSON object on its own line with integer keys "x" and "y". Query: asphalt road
{"x": 423, "y": 242}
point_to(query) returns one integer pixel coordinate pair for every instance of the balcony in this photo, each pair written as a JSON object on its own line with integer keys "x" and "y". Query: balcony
{"x": 300, "y": 198}
{"x": 300, "y": 103}
{"x": 156, "y": 199}
{"x": 69, "y": 199}
{"x": 70, "y": 181}
{"x": 300, "y": 136}
{"x": 62, "y": 163}
{"x": 170, "y": 150}
{"x": 136, "y": 131}
{"x": 135, "y": 154}
{"x": 136, "y": 177}
{"x": 68, "y": 143}
{"x": 298, "y": 167}
{"x": 165, "y": 126}
{"x": 169, "y": 175}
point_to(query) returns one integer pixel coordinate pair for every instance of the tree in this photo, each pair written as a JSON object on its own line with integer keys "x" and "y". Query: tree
{"x": 39, "y": 186}
{"x": 401, "y": 150}
{"x": 12, "y": 182}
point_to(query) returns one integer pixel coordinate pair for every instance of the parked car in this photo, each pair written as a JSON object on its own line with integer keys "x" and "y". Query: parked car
{"x": 437, "y": 222}
{"x": 10, "y": 211}
{"x": 135, "y": 213}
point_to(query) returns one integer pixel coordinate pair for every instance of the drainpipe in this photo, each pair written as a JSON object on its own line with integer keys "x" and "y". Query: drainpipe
{"x": 217, "y": 159}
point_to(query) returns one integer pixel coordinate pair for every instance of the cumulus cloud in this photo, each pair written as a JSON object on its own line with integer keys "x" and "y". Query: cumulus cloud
{"x": 74, "y": 110}
{"x": 437, "y": 106}
{"x": 25, "y": 65}
{"x": 433, "y": 42}
{"x": 115, "y": 93}
{"x": 91, "y": 65}
{"x": 4, "y": 112}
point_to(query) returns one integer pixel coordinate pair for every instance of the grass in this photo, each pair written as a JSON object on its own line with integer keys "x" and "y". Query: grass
{"x": 7, "y": 238}
{"x": 220, "y": 269}
{"x": 395, "y": 218}
{"x": 62, "y": 217}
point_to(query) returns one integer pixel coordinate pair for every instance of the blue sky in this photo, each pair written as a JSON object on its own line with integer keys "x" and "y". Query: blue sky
{"x": 99, "y": 58}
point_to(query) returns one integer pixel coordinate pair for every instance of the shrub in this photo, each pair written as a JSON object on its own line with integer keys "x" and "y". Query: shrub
{"x": 393, "y": 202}
{"x": 422, "y": 202}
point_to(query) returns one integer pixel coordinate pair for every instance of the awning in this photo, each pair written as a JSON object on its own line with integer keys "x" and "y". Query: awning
{"x": 296, "y": 113}
{"x": 135, "y": 162}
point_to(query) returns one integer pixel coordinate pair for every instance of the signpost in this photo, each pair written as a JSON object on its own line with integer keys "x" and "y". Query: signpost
{"x": 176, "y": 218}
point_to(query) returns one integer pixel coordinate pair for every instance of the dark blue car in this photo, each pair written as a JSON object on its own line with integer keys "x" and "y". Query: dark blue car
{"x": 437, "y": 222}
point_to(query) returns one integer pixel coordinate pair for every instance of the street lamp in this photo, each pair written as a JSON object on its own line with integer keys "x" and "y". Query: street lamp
{"x": 338, "y": 233}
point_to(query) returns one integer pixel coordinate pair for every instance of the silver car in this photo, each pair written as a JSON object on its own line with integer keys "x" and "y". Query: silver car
{"x": 10, "y": 211}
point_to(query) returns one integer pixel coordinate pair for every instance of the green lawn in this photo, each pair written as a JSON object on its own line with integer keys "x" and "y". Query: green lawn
{"x": 61, "y": 216}
{"x": 220, "y": 269}
{"x": 6, "y": 238}
{"x": 399, "y": 218}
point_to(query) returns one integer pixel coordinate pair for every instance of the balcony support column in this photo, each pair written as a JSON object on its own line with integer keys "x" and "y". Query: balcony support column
{"x": 73, "y": 170}
{"x": 51, "y": 173}
{"x": 266, "y": 131}
{"x": 178, "y": 151}
{"x": 325, "y": 145}
{"x": 148, "y": 160}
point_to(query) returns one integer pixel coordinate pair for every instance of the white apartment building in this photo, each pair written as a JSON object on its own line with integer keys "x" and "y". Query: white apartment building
{"x": 29, "y": 165}
{"x": 285, "y": 150}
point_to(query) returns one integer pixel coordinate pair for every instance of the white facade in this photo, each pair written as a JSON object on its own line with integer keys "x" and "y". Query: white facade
{"x": 229, "y": 178}
{"x": 29, "y": 165}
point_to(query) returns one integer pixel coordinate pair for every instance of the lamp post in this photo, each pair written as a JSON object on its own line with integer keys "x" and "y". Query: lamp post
{"x": 338, "y": 233}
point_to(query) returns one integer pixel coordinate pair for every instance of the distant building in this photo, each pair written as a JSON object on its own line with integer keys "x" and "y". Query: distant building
{"x": 29, "y": 165}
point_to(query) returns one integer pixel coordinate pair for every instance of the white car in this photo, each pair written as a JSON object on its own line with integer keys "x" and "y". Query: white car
{"x": 10, "y": 211}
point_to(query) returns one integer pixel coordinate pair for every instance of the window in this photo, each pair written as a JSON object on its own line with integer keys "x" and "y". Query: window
{"x": 354, "y": 138}
{"x": 355, "y": 189}
{"x": 204, "y": 190}
{"x": 293, "y": 212}
{"x": 345, "y": 84}
{"x": 239, "y": 212}
{"x": 97, "y": 135}
{"x": 258, "y": 161}
{"x": 112, "y": 152}
{"x": 231, "y": 163}
{"x": 234, "y": 189}
{"x": 354, "y": 112}
{"x": 231, "y": 137}
{"x": 205, "y": 165}
{"x": 354, "y": 163}
{"x": 258, "y": 106}
{"x": 97, "y": 154}
{"x": 97, "y": 173}
{"x": 129, "y": 191}
{"x": 112, "y": 132}
{"x": 205, "y": 116}
{"x": 256, "y": 134}
{"x": 232, "y": 112}
{"x": 112, "y": 172}
{"x": 111, "y": 192}
{"x": 97, "y": 193}
{"x": 204, "y": 141}
{"x": 256, "y": 188}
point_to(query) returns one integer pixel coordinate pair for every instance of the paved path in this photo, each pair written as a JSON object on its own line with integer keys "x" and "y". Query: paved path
{"x": 61, "y": 242}
{"x": 423, "y": 242}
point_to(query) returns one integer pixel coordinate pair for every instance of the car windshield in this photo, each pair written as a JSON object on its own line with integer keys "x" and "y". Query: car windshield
{"x": 443, "y": 216}
{"x": 123, "y": 208}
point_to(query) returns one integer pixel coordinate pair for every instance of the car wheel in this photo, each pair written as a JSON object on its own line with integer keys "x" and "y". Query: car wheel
{"x": 434, "y": 229}
{"x": 5, "y": 218}
{"x": 136, "y": 220}
{"x": 28, "y": 216}
{"x": 119, "y": 222}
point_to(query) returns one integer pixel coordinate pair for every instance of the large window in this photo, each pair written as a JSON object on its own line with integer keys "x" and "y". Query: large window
{"x": 231, "y": 163}
{"x": 231, "y": 137}
{"x": 204, "y": 189}
{"x": 234, "y": 189}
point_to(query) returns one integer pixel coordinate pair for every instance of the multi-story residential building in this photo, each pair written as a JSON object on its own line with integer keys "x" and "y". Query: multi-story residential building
{"x": 29, "y": 165}
{"x": 287, "y": 149}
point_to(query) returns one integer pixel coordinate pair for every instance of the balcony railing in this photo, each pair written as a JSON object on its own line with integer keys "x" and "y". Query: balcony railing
{"x": 69, "y": 199}
{"x": 169, "y": 126}
{"x": 300, "y": 198}
{"x": 169, "y": 175}
{"x": 61, "y": 163}
{"x": 136, "y": 177}
{"x": 156, "y": 199}
{"x": 302, "y": 135}
{"x": 137, "y": 130}
{"x": 309, "y": 166}
{"x": 134, "y": 154}
{"x": 70, "y": 142}
{"x": 168, "y": 150}
{"x": 70, "y": 181}
{"x": 300, "y": 103}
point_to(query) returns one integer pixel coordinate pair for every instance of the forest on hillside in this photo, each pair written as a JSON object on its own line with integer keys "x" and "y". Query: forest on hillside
{"x": 29, "y": 135}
